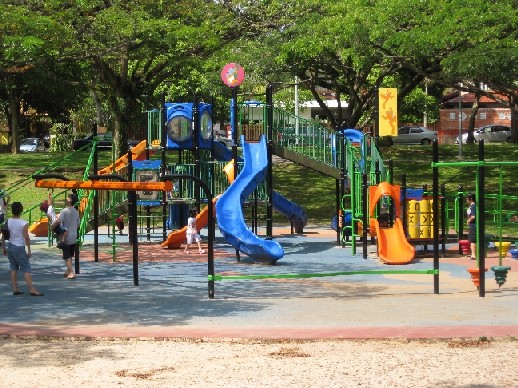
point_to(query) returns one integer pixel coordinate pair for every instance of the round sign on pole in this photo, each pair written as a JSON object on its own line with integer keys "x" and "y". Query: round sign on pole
{"x": 232, "y": 74}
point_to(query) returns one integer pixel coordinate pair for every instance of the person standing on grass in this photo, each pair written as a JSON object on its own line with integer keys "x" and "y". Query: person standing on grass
{"x": 472, "y": 225}
{"x": 4, "y": 201}
{"x": 192, "y": 232}
{"x": 69, "y": 218}
{"x": 15, "y": 250}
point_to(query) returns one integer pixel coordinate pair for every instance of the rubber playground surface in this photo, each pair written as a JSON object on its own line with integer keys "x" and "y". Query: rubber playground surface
{"x": 172, "y": 300}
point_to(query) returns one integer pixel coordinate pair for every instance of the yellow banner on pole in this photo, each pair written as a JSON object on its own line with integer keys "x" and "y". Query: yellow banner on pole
{"x": 387, "y": 106}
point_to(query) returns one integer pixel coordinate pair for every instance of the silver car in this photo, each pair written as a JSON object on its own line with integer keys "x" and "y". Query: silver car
{"x": 490, "y": 134}
{"x": 32, "y": 144}
{"x": 413, "y": 135}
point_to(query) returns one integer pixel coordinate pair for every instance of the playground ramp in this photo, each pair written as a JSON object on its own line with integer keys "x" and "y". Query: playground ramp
{"x": 292, "y": 211}
{"x": 393, "y": 247}
{"x": 175, "y": 239}
{"x": 230, "y": 215}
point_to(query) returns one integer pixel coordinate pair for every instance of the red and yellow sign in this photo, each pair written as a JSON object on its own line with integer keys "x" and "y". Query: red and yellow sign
{"x": 387, "y": 106}
{"x": 232, "y": 74}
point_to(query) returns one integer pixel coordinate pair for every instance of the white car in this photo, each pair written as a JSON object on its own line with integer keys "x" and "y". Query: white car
{"x": 490, "y": 134}
{"x": 32, "y": 144}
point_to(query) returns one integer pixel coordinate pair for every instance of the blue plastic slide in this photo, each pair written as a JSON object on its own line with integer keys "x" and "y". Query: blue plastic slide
{"x": 229, "y": 207}
{"x": 293, "y": 212}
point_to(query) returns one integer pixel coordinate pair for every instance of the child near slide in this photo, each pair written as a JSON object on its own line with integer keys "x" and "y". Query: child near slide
{"x": 192, "y": 232}
{"x": 60, "y": 231}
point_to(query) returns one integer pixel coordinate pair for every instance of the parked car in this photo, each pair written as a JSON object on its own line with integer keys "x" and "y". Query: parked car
{"x": 224, "y": 141}
{"x": 32, "y": 144}
{"x": 490, "y": 134}
{"x": 105, "y": 143}
{"x": 413, "y": 135}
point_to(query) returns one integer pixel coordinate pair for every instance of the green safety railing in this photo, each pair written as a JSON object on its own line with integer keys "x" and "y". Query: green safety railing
{"x": 323, "y": 274}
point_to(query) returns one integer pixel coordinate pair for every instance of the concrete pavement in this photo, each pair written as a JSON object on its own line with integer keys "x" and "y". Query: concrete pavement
{"x": 171, "y": 299}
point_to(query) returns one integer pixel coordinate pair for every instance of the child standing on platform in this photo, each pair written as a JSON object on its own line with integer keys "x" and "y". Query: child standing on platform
{"x": 192, "y": 232}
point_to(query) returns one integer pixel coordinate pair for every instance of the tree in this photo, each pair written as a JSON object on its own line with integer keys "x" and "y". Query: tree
{"x": 327, "y": 46}
{"x": 475, "y": 44}
{"x": 130, "y": 49}
{"x": 29, "y": 76}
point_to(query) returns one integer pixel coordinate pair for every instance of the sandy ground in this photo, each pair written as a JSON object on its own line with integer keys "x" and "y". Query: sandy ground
{"x": 29, "y": 362}
{"x": 222, "y": 362}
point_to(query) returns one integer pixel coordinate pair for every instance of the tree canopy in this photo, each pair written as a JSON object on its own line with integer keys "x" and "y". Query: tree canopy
{"x": 128, "y": 55}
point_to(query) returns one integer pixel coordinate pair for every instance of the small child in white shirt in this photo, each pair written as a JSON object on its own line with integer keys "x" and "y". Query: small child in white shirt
{"x": 192, "y": 232}
{"x": 60, "y": 231}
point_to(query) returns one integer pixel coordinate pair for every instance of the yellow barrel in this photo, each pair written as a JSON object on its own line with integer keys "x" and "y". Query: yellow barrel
{"x": 413, "y": 231}
{"x": 424, "y": 218}
{"x": 413, "y": 221}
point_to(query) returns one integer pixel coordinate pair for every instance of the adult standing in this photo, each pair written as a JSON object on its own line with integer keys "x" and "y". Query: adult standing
{"x": 15, "y": 250}
{"x": 69, "y": 218}
{"x": 472, "y": 224}
{"x": 4, "y": 201}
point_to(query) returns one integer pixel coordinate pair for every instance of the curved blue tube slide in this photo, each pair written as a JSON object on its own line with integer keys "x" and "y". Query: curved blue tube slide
{"x": 293, "y": 212}
{"x": 229, "y": 207}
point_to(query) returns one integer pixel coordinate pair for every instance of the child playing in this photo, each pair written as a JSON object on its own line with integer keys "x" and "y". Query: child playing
{"x": 60, "y": 231}
{"x": 192, "y": 232}
{"x": 119, "y": 221}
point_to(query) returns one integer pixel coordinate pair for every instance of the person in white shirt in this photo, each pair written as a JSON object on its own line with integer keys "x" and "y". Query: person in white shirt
{"x": 15, "y": 250}
{"x": 69, "y": 218}
{"x": 192, "y": 232}
{"x": 59, "y": 230}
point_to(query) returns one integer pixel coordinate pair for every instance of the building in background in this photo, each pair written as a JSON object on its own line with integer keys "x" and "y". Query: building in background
{"x": 490, "y": 111}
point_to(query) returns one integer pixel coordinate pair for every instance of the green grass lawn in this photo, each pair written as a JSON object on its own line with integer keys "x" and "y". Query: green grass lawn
{"x": 314, "y": 191}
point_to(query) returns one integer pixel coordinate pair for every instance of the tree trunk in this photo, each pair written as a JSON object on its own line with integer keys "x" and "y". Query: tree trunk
{"x": 472, "y": 118}
{"x": 14, "y": 108}
{"x": 513, "y": 105}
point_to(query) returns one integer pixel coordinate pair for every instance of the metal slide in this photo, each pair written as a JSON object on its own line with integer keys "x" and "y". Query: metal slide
{"x": 292, "y": 211}
{"x": 229, "y": 211}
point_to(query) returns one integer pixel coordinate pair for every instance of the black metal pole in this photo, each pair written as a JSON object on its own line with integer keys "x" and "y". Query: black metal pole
{"x": 460, "y": 212}
{"x": 435, "y": 215}
{"x": 404, "y": 205}
{"x": 340, "y": 193}
{"x": 444, "y": 233}
{"x": 132, "y": 221}
{"x": 481, "y": 221}
{"x": 96, "y": 200}
{"x": 269, "y": 185}
{"x": 211, "y": 225}
{"x": 196, "y": 144}
{"x": 163, "y": 166}
{"x": 365, "y": 211}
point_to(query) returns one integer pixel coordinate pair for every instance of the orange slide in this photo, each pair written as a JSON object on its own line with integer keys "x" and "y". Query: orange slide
{"x": 40, "y": 228}
{"x": 393, "y": 247}
{"x": 137, "y": 153}
{"x": 176, "y": 238}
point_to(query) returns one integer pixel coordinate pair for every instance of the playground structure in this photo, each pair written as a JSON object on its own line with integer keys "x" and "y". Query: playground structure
{"x": 363, "y": 181}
